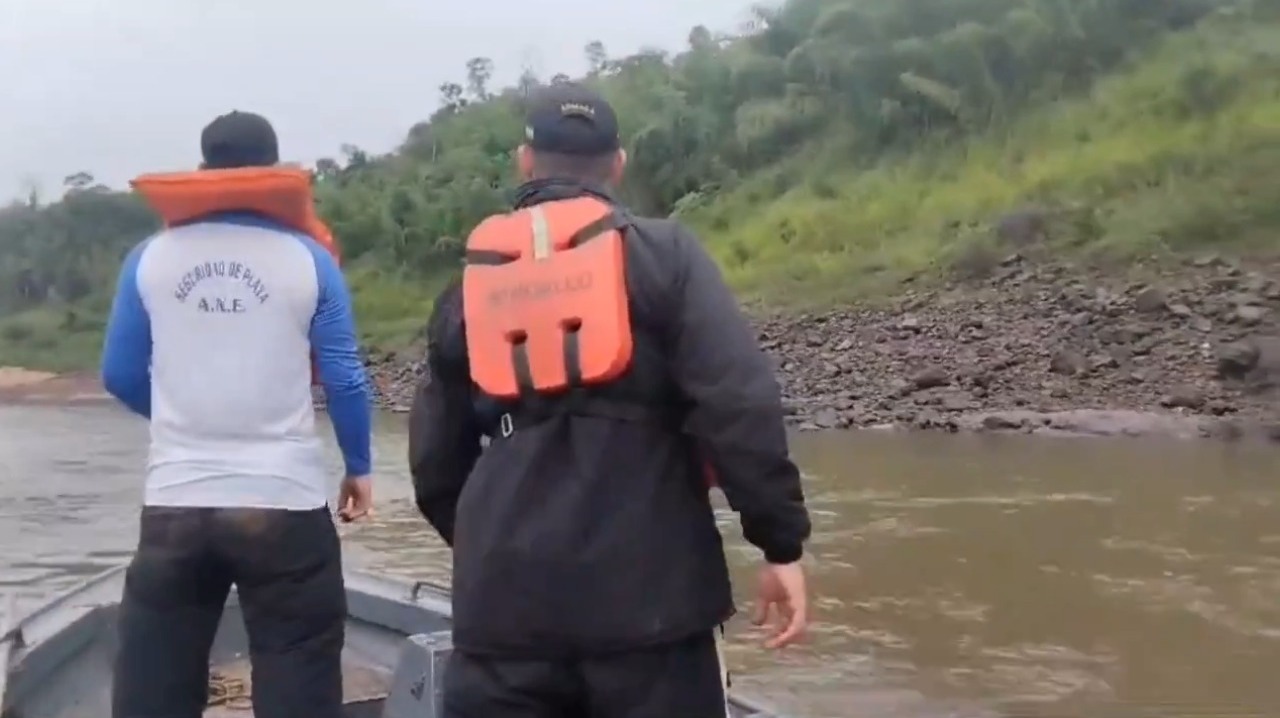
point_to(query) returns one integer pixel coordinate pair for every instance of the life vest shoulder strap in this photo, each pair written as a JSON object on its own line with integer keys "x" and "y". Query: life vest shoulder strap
{"x": 538, "y": 231}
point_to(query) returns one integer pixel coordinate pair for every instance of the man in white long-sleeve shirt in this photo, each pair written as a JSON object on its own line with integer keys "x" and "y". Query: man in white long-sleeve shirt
{"x": 236, "y": 489}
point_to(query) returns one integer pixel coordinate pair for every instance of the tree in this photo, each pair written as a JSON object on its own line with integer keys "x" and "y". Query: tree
{"x": 31, "y": 191}
{"x": 327, "y": 168}
{"x": 78, "y": 181}
{"x": 356, "y": 158}
{"x": 700, "y": 38}
{"x": 527, "y": 83}
{"x": 597, "y": 58}
{"x": 451, "y": 97}
{"x": 479, "y": 70}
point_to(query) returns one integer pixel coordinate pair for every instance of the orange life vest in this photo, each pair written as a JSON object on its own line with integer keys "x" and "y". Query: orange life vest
{"x": 282, "y": 194}
{"x": 545, "y": 300}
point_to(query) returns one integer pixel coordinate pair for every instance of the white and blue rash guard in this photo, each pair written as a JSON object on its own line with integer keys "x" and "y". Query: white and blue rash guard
{"x": 210, "y": 338}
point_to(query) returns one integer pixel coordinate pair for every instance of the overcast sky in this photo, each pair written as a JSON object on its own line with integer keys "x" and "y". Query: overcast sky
{"x": 119, "y": 87}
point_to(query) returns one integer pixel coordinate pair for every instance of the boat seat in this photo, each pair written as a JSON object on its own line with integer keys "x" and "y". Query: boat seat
{"x": 416, "y": 684}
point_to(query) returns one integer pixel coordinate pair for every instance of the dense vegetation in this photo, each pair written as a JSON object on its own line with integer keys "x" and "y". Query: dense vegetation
{"x": 836, "y": 146}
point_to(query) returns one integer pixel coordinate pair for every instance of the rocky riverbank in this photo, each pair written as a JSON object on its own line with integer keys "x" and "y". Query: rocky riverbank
{"x": 1035, "y": 347}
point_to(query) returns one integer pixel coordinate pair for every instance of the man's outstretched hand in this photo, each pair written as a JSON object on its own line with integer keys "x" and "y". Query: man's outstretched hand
{"x": 782, "y": 603}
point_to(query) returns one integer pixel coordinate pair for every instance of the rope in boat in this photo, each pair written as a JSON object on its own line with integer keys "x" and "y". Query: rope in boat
{"x": 233, "y": 693}
{"x": 228, "y": 692}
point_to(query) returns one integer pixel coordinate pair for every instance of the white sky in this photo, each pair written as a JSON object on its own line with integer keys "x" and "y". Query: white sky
{"x": 120, "y": 87}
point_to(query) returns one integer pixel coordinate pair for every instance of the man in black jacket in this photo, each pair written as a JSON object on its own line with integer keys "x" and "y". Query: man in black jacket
{"x": 589, "y": 575}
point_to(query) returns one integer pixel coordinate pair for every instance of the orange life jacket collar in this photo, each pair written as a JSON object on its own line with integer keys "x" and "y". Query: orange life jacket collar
{"x": 281, "y": 194}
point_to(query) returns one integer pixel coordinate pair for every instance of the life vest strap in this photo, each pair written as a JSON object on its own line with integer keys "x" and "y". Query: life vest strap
{"x": 579, "y": 403}
{"x": 572, "y": 361}
{"x": 614, "y": 220}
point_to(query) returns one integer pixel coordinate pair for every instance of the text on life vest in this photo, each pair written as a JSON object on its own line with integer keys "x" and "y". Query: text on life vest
{"x": 537, "y": 290}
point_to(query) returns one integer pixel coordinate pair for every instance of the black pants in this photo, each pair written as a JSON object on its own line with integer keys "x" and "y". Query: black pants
{"x": 678, "y": 680}
{"x": 287, "y": 568}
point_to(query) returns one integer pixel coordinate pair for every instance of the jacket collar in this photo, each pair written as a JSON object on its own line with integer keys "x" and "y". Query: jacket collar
{"x": 547, "y": 190}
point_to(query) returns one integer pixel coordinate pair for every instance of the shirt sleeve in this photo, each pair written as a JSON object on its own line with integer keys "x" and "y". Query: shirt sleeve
{"x": 342, "y": 374}
{"x": 444, "y": 432}
{"x": 737, "y": 414}
{"x": 126, "y": 351}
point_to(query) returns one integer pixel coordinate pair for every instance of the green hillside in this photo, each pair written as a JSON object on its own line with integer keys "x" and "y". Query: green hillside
{"x": 840, "y": 147}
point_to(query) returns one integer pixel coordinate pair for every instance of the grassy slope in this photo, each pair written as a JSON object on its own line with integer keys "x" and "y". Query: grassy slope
{"x": 52, "y": 338}
{"x": 1180, "y": 151}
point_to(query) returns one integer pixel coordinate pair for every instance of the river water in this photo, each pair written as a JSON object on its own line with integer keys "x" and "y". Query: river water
{"x": 954, "y": 575}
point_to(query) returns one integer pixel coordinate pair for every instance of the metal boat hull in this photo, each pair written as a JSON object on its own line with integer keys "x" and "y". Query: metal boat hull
{"x": 56, "y": 662}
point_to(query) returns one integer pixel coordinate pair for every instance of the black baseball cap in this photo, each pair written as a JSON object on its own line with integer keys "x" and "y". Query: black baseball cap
{"x": 571, "y": 119}
{"x": 239, "y": 139}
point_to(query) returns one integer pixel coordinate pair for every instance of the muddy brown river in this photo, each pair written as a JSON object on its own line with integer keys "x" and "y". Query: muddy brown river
{"x": 953, "y": 575}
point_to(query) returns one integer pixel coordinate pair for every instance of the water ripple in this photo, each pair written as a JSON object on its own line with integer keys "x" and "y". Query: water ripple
{"x": 951, "y": 577}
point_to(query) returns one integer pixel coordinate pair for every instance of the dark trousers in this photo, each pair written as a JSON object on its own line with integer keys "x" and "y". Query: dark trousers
{"x": 677, "y": 680}
{"x": 287, "y": 569}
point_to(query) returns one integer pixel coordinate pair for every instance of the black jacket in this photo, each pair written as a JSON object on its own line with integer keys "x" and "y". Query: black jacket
{"x": 583, "y": 534}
